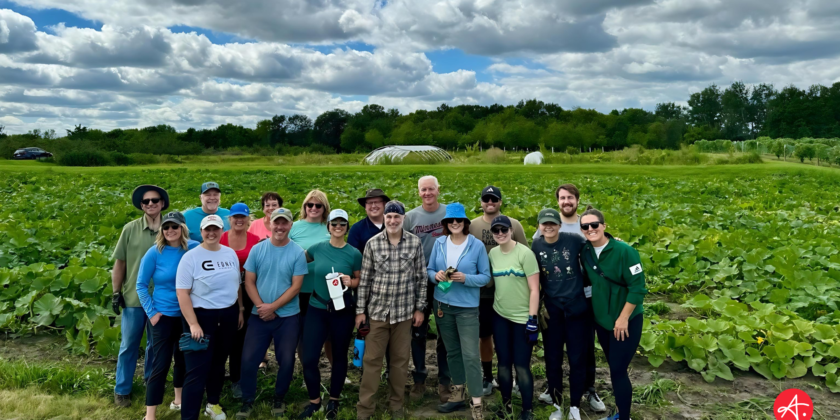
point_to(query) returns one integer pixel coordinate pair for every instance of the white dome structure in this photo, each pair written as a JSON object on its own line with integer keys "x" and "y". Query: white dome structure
{"x": 429, "y": 154}
{"x": 534, "y": 158}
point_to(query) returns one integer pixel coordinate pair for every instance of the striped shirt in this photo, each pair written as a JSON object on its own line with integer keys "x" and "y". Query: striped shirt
{"x": 393, "y": 278}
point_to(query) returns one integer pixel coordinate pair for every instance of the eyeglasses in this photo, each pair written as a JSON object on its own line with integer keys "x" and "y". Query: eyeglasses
{"x": 318, "y": 206}
{"x": 593, "y": 225}
{"x": 489, "y": 199}
{"x": 337, "y": 224}
{"x": 500, "y": 230}
{"x": 146, "y": 201}
{"x": 171, "y": 226}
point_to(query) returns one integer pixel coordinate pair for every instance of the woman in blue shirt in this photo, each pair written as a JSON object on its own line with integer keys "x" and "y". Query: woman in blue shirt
{"x": 159, "y": 265}
{"x": 456, "y": 305}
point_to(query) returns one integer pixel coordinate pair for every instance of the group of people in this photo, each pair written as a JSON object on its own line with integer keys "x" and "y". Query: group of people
{"x": 226, "y": 286}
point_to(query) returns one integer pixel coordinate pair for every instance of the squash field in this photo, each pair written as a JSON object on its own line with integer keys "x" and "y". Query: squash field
{"x": 750, "y": 257}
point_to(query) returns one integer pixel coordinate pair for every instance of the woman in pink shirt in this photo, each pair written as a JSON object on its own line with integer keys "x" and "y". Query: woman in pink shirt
{"x": 262, "y": 228}
{"x": 241, "y": 240}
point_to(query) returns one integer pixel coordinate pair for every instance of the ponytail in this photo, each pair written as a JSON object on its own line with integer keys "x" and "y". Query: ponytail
{"x": 594, "y": 212}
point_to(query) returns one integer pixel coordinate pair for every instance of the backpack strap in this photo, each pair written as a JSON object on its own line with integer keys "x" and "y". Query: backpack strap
{"x": 587, "y": 256}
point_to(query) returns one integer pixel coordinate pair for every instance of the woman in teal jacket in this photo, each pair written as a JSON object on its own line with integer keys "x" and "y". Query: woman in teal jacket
{"x": 618, "y": 290}
{"x": 456, "y": 305}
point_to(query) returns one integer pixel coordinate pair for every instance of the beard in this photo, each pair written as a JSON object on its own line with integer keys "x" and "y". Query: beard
{"x": 568, "y": 211}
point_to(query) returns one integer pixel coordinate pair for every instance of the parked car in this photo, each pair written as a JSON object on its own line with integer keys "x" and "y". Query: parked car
{"x": 32, "y": 153}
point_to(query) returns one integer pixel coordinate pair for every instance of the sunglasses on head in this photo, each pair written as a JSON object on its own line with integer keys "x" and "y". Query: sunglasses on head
{"x": 169, "y": 226}
{"x": 489, "y": 199}
{"x": 146, "y": 201}
{"x": 593, "y": 225}
{"x": 316, "y": 205}
{"x": 500, "y": 230}
{"x": 337, "y": 224}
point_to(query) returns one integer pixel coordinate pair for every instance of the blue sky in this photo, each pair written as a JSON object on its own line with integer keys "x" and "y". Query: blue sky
{"x": 120, "y": 63}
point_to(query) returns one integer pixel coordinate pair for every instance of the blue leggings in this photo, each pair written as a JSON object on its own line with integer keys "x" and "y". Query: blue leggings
{"x": 284, "y": 332}
{"x": 513, "y": 351}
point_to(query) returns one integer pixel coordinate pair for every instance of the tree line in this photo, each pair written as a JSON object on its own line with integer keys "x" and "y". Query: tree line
{"x": 738, "y": 112}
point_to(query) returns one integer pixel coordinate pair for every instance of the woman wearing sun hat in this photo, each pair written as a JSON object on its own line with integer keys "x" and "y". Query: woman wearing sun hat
{"x": 240, "y": 240}
{"x": 207, "y": 286}
{"x": 460, "y": 267}
{"x": 159, "y": 265}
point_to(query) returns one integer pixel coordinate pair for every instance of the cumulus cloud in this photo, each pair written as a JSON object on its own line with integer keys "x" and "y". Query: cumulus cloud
{"x": 17, "y": 32}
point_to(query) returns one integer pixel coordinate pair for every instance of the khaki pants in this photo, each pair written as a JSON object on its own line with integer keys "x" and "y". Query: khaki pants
{"x": 381, "y": 336}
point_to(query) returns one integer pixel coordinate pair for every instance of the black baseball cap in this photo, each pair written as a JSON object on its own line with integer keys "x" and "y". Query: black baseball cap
{"x": 501, "y": 221}
{"x": 491, "y": 191}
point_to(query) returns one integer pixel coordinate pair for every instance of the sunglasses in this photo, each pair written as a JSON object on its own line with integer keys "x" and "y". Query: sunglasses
{"x": 593, "y": 225}
{"x": 316, "y": 205}
{"x": 489, "y": 199}
{"x": 146, "y": 201}
{"x": 500, "y": 230}
{"x": 453, "y": 221}
{"x": 171, "y": 226}
{"x": 337, "y": 224}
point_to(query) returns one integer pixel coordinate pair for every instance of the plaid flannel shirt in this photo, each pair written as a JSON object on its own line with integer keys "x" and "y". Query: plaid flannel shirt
{"x": 393, "y": 278}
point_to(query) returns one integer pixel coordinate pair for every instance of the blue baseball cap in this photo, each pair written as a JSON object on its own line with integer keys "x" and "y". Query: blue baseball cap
{"x": 209, "y": 186}
{"x": 240, "y": 209}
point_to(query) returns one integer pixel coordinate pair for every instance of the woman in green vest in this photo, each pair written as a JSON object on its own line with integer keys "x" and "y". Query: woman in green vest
{"x": 618, "y": 290}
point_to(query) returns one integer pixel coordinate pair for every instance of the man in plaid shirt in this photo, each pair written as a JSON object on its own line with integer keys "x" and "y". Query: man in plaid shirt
{"x": 392, "y": 293}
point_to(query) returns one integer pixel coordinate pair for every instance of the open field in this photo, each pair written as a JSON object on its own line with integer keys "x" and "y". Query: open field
{"x": 743, "y": 259}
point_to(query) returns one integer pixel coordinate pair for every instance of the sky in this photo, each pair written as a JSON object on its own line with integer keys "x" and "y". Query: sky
{"x": 200, "y": 63}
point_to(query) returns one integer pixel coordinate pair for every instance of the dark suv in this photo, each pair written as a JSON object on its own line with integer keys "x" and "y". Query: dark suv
{"x": 32, "y": 153}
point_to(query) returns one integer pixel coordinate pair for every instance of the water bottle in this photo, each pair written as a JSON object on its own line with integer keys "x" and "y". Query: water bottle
{"x": 358, "y": 352}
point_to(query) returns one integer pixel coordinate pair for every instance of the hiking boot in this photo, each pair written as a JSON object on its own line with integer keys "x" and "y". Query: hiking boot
{"x": 310, "y": 410}
{"x": 122, "y": 401}
{"x": 594, "y": 400}
{"x": 527, "y": 415}
{"x": 245, "y": 411}
{"x": 457, "y": 395}
{"x": 504, "y": 411}
{"x": 417, "y": 391}
{"x": 332, "y": 409}
{"x": 444, "y": 392}
{"x": 475, "y": 409}
{"x": 215, "y": 412}
{"x": 279, "y": 409}
{"x": 398, "y": 414}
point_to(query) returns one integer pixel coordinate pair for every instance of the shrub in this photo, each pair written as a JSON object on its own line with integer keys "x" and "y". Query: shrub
{"x": 572, "y": 150}
{"x": 494, "y": 155}
{"x": 120, "y": 159}
{"x": 84, "y": 158}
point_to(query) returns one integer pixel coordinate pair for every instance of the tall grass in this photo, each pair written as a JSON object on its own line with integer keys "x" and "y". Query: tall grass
{"x": 56, "y": 378}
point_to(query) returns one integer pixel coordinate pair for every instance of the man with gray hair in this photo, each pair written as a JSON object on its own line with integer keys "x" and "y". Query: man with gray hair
{"x": 392, "y": 297}
{"x": 425, "y": 223}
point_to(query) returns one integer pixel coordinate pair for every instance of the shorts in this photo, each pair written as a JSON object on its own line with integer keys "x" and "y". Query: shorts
{"x": 485, "y": 318}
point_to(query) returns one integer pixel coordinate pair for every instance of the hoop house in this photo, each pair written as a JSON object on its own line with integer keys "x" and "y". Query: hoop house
{"x": 428, "y": 154}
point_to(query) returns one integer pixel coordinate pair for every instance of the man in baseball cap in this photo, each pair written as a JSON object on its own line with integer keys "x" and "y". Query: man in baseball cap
{"x": 491, "y": 203}
{"x": 211, "y": 198}
{"x": 361, "y": 231}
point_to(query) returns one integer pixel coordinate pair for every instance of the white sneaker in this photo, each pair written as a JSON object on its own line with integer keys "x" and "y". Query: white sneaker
{"x": 574, "y": 413}
{"x": 595, "y": 401}
{"x": 557, "y": 415}
{"x": 173, "y": 406}
{"x": 545, "y": 397}
{"x": 347, "y": 381}
{"x": 215, "y": 412}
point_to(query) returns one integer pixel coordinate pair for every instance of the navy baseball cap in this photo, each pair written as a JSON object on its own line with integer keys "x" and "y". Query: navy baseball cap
{"x": 491, "y": 191}
{"x": 500, "y": 221}
{"x": 209, "y": 186}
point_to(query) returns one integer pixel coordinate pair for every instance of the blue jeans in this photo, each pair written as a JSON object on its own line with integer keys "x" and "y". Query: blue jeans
{"x": 134, "y": 320}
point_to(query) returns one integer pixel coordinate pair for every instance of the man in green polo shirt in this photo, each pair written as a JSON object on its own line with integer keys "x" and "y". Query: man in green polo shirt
{"x": 136, "y": 238}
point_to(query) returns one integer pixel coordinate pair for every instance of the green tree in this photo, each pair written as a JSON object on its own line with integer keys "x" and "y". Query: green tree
{"x": 778, "y": 148}
{"x": 374, "y": 139}
{"x": 704, "y": 107}
{"x": 329, "y": 126}
{"x": 804, "y": 151}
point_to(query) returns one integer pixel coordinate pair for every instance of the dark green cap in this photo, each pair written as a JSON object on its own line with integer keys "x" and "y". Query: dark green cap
{"x": 549, "y": 216}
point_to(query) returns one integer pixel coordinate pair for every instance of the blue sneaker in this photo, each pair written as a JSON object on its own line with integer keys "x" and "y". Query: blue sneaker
{"x": 612, "y": 417}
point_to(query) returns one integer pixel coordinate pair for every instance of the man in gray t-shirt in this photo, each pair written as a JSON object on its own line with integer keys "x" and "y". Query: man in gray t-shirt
{"x": 424, "y": 222}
